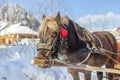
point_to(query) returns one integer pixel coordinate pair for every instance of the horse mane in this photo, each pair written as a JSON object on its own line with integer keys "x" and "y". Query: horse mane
{"x": 82, "y": 33}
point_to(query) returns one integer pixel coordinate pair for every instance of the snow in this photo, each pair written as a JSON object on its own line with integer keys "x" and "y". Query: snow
{"x": 18, "y": 29}
{"x": 15, "y": 65}
{"x": 2, "y": 25}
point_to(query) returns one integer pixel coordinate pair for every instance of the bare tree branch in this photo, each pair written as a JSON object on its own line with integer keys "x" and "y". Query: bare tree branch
{"x": 51, "y": 8}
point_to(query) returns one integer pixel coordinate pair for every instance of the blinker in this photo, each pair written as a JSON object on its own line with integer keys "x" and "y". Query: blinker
{"x": 63, "y": 33}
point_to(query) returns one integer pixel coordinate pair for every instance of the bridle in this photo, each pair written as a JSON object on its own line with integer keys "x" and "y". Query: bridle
{"x": 51, "y": 48}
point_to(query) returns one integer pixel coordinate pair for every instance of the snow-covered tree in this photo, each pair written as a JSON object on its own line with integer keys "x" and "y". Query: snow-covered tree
{"x": 51, "y": 7}
{"x": 14, "y": 13}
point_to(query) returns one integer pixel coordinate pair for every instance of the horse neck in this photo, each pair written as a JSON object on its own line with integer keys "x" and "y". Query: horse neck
{"x": 79, "y": 36}
{"x": 74, "y": 43}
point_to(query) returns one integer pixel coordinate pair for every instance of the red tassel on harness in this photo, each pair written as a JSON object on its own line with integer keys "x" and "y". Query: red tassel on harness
{"x": 63, "y": 33}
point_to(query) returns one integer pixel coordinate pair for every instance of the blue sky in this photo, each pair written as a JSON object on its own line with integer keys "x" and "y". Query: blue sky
{"x": 80, "y": 8}
{"x": 85, "y": 7}
{"x": 86, "y": 12}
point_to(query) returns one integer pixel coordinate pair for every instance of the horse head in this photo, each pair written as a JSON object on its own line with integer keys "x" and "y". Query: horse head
{"x": 53, "y": 34}
{"x": 56, "y": 35}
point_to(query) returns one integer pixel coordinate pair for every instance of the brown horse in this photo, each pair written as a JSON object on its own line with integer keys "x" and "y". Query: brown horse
{"x": 64, "y": 35}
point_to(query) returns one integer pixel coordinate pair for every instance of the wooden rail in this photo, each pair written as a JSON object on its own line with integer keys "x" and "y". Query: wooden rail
{"x": 59, "y": 63}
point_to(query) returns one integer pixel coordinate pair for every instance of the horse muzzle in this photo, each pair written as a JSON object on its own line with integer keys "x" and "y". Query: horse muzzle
{"x": 42, "y": 63}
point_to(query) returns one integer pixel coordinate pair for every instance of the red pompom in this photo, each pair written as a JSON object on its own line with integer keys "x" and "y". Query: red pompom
{"x": 63, "y": 33}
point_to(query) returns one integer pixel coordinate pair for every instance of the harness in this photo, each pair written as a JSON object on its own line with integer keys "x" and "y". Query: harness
{"x": 63, "y": 35}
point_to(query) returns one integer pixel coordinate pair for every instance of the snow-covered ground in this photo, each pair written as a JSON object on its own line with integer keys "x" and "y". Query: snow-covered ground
{"x": 15, "y": 65}
{"x": 17, "y": 29}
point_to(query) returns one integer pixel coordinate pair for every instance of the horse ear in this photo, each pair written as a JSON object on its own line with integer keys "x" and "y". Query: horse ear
{"x": 43, "y": 16}
{"x": 57, "y": 18}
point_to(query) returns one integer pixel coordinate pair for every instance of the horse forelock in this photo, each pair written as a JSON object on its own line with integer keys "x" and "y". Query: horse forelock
{"x": 47, "y": 25}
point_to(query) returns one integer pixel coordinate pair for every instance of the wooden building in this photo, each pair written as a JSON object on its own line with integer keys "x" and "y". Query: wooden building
{"x": 15, "y": 33}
